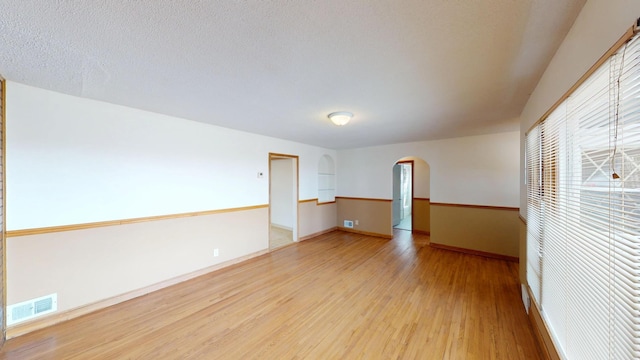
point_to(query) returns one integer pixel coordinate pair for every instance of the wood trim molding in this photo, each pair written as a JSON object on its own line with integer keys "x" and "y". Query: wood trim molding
{"x": 421, "y": 199}
{"x": 282, "y": 156}
{"x": 487, "y": 207}
{"x": 311, "y": 236}
{"x": 3, "y": 240}
{"x": 475, "y": 252}
{"x": 522, "y": 219}
{"x": 540, "y": 329}
{"x": 422, "y": 232}
{"x": 363, "y": 199}
{"x": 365, "y": 232}
{"x": 317, "y": 202}
{"x": 618, "y": 44}
{"x": 53, "y": 229}
{"x": 37, "y": 324}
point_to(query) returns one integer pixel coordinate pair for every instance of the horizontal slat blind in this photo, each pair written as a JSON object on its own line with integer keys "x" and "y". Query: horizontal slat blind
{"x": 554, "y": 200}
{"x": 625, "y": 206}
{"x": 587, "y": 273}
{"x": 534, "y": 212}
{"x": 583, "y": 222}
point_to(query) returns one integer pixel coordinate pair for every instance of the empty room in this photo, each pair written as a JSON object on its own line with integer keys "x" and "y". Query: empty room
{"x": 320, "y": 179}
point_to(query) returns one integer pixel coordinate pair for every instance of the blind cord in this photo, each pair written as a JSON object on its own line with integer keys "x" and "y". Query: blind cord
{"x": 616, "y": 118}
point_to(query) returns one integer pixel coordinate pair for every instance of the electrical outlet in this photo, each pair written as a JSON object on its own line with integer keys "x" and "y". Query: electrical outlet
{"x": 357, "y": 223}
{"x": 215, "y": 252}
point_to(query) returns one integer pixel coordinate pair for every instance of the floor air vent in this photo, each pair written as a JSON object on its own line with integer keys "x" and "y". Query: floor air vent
{"x": 31, "y": 308}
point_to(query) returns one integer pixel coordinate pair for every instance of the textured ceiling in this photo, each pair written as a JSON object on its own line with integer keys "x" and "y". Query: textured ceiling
{"x": 410, "y": 70}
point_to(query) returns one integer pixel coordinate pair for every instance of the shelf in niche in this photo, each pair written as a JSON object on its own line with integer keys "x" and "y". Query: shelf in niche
{"x": 326, "y": 180}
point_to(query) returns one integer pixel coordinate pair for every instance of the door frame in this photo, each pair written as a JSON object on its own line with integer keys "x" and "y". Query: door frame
{"x": 296, "y": 158}
{"x": 3, "y": 231}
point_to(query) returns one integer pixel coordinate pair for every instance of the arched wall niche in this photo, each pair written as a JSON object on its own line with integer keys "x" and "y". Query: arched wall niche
{"x": 326, "y": 179}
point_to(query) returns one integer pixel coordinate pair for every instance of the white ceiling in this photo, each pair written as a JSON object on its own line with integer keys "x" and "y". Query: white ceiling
{"x": 410, "y": 70}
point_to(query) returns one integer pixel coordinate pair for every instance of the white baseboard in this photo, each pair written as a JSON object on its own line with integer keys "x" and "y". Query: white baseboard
{"x": 278, "y": 226}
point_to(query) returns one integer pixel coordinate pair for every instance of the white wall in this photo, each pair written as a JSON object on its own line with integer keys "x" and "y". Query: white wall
{"x": 474, "y": 170}
{"x": 72, "y": 160}
{"x": 600, "y": 24}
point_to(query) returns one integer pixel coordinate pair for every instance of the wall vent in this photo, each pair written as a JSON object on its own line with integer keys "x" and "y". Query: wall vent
{"x": 31, "y": 308}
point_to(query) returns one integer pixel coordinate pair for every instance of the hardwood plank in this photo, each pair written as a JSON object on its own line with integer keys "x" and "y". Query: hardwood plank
{"x": 279, "y": 237}
{"x": 340, "y": 295}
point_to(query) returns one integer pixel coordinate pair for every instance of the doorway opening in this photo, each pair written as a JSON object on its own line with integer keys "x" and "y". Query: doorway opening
{"x": 411, "y": 195}
{"x": 403, "y": 195}
{"x": 283, "y": 200}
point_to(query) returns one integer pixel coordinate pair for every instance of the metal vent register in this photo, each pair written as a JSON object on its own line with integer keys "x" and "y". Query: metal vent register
{"x": 31, "y": 308}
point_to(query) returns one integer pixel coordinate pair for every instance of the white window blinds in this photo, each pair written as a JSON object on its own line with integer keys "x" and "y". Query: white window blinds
{"x": 583, "y": 214}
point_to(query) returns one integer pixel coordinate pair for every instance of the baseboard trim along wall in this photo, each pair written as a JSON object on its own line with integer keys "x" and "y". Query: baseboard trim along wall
{"x": 310, "y": 236}
{"x": 476, "y": 252}
{"x": 365, "y": 232}
{"x": 281, "y": 227}
{"x": 53, "y": 229}
{"x": 37, "y": 324}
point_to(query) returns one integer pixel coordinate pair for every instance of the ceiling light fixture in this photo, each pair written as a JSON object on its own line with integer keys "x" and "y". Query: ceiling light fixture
{"x": 340, "y": 118}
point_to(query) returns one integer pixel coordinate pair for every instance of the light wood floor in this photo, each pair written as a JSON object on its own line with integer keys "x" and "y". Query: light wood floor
{"x": 338, "y": 296}
{"x": 279, "y": 237}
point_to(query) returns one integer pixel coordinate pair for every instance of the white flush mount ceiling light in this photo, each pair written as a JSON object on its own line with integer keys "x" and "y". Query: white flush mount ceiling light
{"x": 340, "y": 117}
